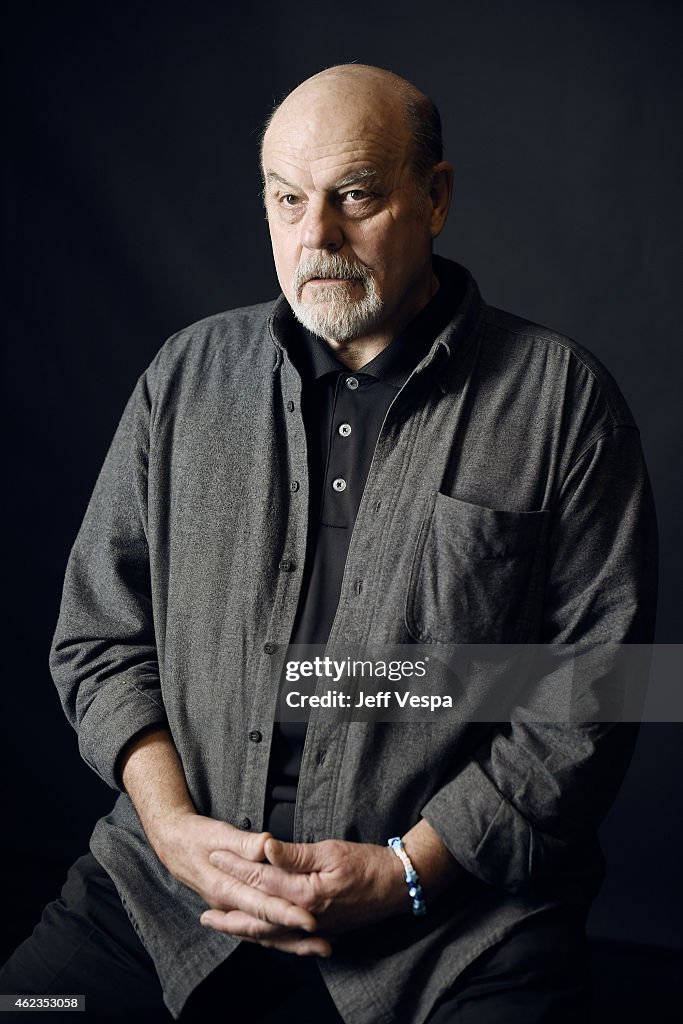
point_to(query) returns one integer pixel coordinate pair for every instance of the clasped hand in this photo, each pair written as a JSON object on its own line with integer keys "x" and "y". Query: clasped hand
{"x": 290, "y": 896}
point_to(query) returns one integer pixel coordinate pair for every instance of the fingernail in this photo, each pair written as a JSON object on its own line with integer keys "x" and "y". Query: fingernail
{"x": 276, "y": 847}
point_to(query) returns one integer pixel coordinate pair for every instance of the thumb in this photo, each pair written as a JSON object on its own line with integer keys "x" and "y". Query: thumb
{"x": 301, "y": 857}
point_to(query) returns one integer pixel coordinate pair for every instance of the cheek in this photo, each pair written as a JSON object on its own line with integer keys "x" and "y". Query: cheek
{"x": 285, "y": 258}
{"x": 385, "y": 247}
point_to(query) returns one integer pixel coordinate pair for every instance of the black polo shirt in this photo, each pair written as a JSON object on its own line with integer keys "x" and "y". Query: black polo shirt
{"x": 343, "y": 412}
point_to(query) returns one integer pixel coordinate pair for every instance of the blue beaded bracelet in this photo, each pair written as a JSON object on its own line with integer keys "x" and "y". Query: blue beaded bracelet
{"x": 412, "y": 878}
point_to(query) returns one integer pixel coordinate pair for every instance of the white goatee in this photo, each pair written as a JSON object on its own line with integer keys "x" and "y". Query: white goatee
{"x": 333, "y": 313}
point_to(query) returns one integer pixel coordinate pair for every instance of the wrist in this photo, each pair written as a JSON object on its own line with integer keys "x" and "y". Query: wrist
{"x": 166, "y": 828}
{"x": 438, "y": 870}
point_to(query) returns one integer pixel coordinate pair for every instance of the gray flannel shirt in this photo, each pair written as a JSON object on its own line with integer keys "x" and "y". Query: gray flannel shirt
{"x": 507, "y": 502}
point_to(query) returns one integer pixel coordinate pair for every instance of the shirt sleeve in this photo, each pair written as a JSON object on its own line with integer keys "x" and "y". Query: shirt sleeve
{"x": 534, "y": 791}
{"x": 104, "y": 655}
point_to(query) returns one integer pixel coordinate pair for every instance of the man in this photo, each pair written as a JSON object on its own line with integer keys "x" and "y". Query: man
{"x": 375, "y": 458}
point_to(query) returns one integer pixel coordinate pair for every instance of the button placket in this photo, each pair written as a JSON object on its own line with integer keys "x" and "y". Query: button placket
{"x": 339, "y": 482}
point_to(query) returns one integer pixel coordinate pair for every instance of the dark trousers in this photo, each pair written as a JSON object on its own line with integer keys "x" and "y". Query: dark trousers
{"x": 85, "y": 944}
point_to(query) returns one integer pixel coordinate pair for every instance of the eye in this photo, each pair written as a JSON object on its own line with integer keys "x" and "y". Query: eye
{"x": 289, "y": 200}
{"x": 356, "y": 195}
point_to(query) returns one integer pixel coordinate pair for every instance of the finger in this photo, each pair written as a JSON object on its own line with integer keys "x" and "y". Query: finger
{"x": 295, "y": 946}
{"x": 242, "y": 925}
{"x": 228, "y": 893}
{"x": 302, "y": 857}
{"x": 291, "y": 886}
{"x": 250, "y": 845}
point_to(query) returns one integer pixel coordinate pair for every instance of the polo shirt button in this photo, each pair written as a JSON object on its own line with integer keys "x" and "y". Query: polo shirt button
{"x": 255, "y": 736}
{"x": 345, "y": 429}
{"x": 245, "y": 824}
{"x": 351, "y": 383}
{"x": 339, "y": 484}
{"x": 294, "y": 486}
{"x": 286, "y": 565}
{"x": 290, "y": 406}
{"x": 269, "y": 648}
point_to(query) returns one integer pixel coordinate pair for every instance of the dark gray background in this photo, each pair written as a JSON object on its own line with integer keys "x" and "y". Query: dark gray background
{"x": 132, "y": 209}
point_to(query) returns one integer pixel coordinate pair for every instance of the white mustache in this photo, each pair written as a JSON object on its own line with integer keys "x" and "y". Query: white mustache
{"x": 330, "y": 266}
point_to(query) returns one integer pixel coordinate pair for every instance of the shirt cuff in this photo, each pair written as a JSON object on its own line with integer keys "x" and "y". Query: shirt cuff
{"x": 114, "y": 717}
{"x": 482, "y": 830}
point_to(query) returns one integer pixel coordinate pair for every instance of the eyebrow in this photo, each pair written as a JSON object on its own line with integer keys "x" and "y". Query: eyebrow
{"x": 362, "y": 174}
{"x": 273, "y": 176}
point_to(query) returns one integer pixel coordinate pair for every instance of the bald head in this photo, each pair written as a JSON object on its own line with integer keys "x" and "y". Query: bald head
{"x": 382, "y": 103}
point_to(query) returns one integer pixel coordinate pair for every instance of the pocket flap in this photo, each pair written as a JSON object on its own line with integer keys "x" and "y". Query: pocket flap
{"x": 485, "y": 532}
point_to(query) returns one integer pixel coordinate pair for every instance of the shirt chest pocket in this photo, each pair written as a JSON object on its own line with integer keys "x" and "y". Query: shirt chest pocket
{"x": 477, "y": 574}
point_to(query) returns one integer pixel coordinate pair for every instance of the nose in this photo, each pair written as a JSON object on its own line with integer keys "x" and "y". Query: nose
{"x": 320, "y": 227}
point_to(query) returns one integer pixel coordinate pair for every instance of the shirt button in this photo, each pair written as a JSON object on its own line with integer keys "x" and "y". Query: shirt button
{"x": 286, "y": 565}
{"x": 294, "y": 486}
{"x": 290, "y": 406}
{"x": 339, "y": 484}
{"x": 351, "y": 383}
{"x": 345, "y": 429}
{"x": 269, "y": 648}
{"x": 245, "y": 824}
{"x": 255, "y": 736}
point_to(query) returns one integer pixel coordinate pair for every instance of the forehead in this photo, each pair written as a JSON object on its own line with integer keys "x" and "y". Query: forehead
{"x": 329, "y": 133}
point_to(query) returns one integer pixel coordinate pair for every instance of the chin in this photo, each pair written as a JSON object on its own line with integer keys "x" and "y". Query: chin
{"x": 339, "y": 321}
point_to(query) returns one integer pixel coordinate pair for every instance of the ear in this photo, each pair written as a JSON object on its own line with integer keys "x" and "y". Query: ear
{"x": 440, "y": 196}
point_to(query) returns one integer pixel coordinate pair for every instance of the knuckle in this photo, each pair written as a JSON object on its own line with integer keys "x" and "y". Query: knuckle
{"x": 220, "y": 891}
{"x": 254, "y": 876}
{"x": 213, "y": 892}
{"x": 246, "y": 844}
{"x": 257, "y": 844}
{"x": 250, "y": 927}
{"x": 310, "y": 901}
{"x": 261, "y": 910}
{"x": 318, "y": 889}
